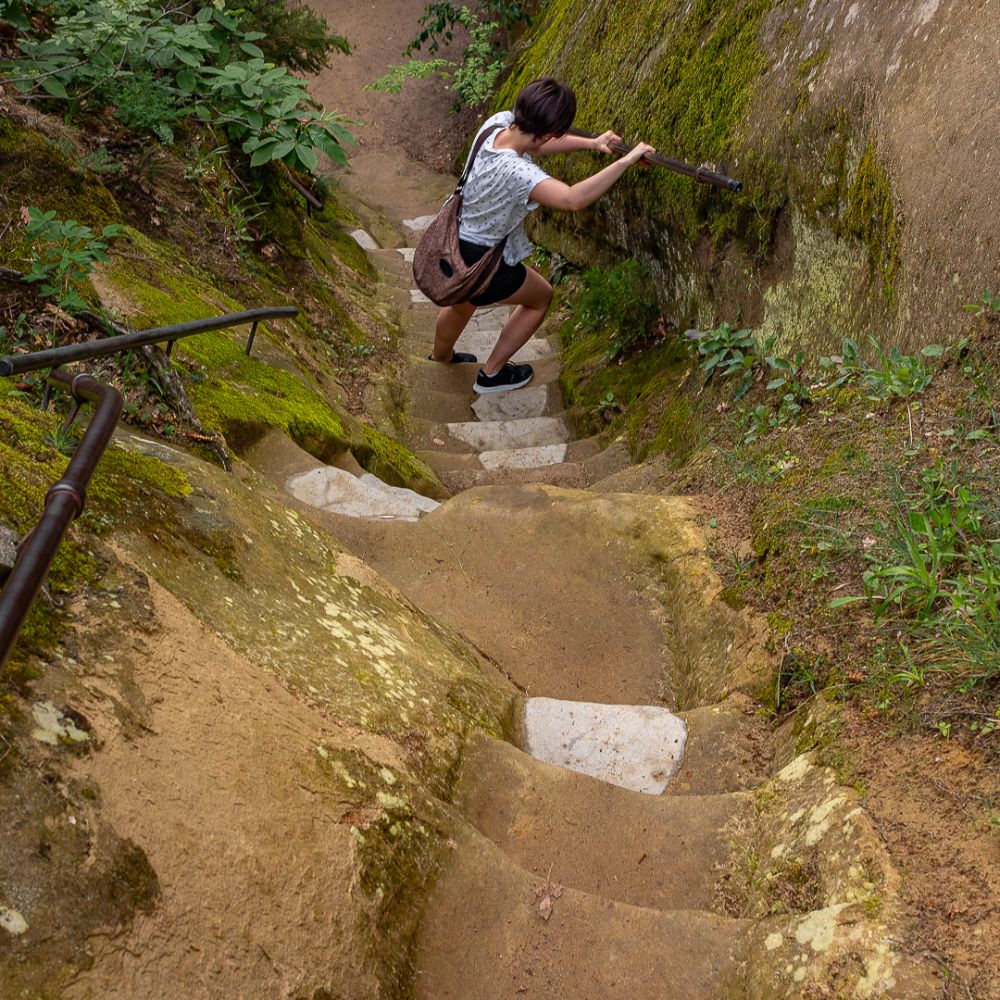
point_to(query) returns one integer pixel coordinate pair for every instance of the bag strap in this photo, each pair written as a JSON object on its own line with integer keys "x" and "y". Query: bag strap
{"x": 483, "y": 136}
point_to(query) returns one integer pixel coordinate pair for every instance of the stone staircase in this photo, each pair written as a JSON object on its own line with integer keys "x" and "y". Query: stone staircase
{"x": 614, "y": 852}
{"x": 469, "y": 440}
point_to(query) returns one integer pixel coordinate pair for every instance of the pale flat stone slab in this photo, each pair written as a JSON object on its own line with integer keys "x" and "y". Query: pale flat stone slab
{"x": 493, "y": 435}
{"x": 52, "y": 727}
{"x": 12, "y": 921}
{"x": 364, "y": 240}
{"x": 634, "y": 746}
{"x": 418, "y": 298}
{"x": 480, "y": 343}
{"x": 523, "y": 458}
{"x": 527, "y": 402}
{"x": 406, "y": 253}
{"x": 492, "y": 320}
{"x": 341, "y": 492}
{"x": 420, "y": 223}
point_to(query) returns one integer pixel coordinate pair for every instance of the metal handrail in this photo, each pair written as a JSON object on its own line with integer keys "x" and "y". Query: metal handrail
{"x": 63, "y": 503}
{"x": 14, "y": 364}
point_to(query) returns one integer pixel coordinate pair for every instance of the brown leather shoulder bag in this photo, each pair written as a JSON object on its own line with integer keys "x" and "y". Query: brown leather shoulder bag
{"x": 438, "y": 268}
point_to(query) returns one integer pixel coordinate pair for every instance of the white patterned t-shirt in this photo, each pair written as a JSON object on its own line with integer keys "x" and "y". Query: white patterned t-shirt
{"x": 496, "y": 196}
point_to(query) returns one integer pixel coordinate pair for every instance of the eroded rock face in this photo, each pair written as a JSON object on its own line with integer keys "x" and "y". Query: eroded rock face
{"x": 858, "y": 130}
{"x": 810, "y": 870}
{"x": 281, "y": 593}
{"x": 242, "y": 757}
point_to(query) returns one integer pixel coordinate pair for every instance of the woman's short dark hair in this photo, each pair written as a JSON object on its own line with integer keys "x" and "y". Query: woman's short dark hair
{"x": 545, "y": 107}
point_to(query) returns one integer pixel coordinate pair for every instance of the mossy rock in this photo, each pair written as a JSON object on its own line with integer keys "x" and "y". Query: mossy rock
{"x": 37, "y": 172}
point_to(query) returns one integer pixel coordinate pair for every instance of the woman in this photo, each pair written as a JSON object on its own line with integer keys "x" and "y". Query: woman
{"x": 503, "y": 186}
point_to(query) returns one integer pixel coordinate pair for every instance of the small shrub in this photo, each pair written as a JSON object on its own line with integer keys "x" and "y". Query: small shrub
{"x": 145, "y": 105}
{"x": 158, "y": 69}
{"x": 620, "y": 301}
{"x": 63, "y": 253}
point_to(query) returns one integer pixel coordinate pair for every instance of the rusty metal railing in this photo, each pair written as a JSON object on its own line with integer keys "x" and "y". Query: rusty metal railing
{"x": 15, "y": 364}
{"x": 63, "y": 503}
{"x": 65, "y": 500}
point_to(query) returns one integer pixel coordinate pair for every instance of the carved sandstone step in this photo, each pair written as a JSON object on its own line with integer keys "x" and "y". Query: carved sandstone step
{"x": 448, "y": 407}
{"x": 569, "y": 475}
{"x": 488, "y": 318}
{"x": 544, "y": 817}
{"x": 483, "y": 938}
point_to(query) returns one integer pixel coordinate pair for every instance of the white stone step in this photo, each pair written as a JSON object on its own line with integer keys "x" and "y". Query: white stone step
{"x": 523, "y": 458}
{"x": 406, "y": 253}
{"x": 341, "y": 492}
{"x": 491, "y": 319}
{"x": 494, "y": 435}
{"x": 531, "y": 401}
{"x": 365, "y": 240}
{"x": 634, "y": 746}
{"x": 419, "y": 224}
{"x": 481, "y": 342}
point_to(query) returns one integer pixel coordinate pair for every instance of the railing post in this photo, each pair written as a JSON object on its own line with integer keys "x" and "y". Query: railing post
{"x": 253, "y": 333}
{"x": 47, "y": 391}
{"x": 170, "y": 347}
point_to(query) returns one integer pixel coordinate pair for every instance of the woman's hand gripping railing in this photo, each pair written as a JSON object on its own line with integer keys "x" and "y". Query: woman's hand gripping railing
{"x": 701, "y": 173}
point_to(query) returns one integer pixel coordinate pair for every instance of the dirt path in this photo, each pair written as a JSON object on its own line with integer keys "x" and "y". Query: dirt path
{"x": 419, "y": 119}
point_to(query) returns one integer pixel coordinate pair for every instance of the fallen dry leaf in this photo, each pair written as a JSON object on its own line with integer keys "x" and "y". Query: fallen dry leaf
{"x": 546, "y": 896}
{"x": 439, "y": 442}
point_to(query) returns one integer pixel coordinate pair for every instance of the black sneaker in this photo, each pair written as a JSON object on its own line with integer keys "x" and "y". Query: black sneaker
{"x": 511, "y": 376}
{"x": 458, "y": 358}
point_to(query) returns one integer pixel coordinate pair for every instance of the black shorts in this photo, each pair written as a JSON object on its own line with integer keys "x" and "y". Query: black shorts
{"x": 506, "y": 281}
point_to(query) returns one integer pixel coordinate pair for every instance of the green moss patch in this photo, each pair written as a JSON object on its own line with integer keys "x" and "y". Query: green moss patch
{"x": 240, "y": 396}
{"x": 871, "y": 217}
{"x": 690, "y": 70}
{"x": 37, "y": 172}
{"x": 156, "y": 285}
{"x": 29, "y": 465}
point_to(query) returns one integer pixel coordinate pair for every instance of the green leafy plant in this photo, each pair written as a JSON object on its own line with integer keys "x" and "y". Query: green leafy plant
{"x": 12, "y": 12}
{"x": 726, "y": 351}
{"x": 893, "y": 374}
{"x": 269, "y": 112}
{"x": 144, "y": 105}
{"x": 840, "y": 368}
{"x": 607, "y": 406}
{"x": 293, "y": 34}
{"x": 159, "y": 66}
{"x": 898, "y": 374}
{"x": 988, "y": 305}
{"x": 937, "y": 575}
{"x": 437, "y": 24}
{"x": 242, "y": 210}
{"x": 63, "y": 253}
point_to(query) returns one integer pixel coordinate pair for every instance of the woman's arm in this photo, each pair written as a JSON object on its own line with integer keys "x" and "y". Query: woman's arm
{"x": 576, "y": 143}
{"x": 571, "y": 198}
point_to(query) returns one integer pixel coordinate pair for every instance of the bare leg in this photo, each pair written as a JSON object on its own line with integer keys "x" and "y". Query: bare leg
{"x": 451, "y": 321}
{"x": 532, "y": 300}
